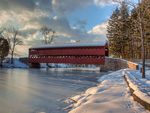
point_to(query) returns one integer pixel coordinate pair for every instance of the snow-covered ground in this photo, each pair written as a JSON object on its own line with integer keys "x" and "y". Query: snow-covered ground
{"x": 71, "y": 66}
{"x": 141, "y": 86}
{"x": 112, "y": 95}
{"x": 16, "y": 64}
{"x": 19, "y": 64}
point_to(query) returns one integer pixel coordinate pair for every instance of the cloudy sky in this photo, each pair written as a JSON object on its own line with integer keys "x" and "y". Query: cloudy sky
{"x": 84, "y": 21}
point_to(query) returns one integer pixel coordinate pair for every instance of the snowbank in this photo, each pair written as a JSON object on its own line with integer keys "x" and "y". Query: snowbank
{"x": 110, "y": 96}
{"x": 16, "y": 64}
{"x": 140, "y": 87}
{"x": 71, "y": 67}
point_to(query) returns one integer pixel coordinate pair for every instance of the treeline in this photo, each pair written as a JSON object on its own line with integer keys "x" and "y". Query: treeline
{"x": 129, "y": 28}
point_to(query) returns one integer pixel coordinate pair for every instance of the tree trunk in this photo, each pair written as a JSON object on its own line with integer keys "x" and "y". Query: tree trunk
{"x": 143, "y": 49}
{"x": 142, "y": 33}
{"x": 132, "y": 46}
{"x": 1, "y": 62}
{"x": 12, "y": 57}
{"x": 143, "y": 58}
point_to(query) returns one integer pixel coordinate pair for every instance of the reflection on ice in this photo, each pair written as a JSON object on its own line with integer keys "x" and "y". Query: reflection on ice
{"x": 38, "y": 91}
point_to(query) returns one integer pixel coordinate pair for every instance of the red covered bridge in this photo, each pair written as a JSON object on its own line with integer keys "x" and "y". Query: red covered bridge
{"x": 71, "y": 54}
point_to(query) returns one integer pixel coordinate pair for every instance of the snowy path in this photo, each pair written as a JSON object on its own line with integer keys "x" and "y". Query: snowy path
{"x": 111, "y": 96}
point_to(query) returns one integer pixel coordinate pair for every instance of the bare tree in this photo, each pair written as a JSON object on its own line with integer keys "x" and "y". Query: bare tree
{"x": 13, "y": 41}
{"x": 48, "y": 34}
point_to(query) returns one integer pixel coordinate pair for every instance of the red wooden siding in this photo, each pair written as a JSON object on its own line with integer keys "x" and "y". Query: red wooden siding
{"x": 73, "y": 55}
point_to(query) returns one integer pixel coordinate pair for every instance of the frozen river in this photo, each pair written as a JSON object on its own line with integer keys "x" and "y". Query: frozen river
{"x": 41, "y": 91}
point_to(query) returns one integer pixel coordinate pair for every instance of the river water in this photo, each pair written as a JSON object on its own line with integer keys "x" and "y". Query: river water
{"x": 41, "y": 90}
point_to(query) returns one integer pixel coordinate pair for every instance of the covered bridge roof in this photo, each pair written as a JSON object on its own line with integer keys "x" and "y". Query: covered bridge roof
{"x": 70, "y": 45}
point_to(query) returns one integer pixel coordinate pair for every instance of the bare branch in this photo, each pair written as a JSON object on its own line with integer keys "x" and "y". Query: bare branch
{"x": 48, "y": 34}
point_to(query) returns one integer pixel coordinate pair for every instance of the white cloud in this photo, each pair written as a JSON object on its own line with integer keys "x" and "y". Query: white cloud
{"x": 103, "y": 2}
{"x": 100, "y": 29}
{"x": 22, "y": 50}
{"x": 66, "y": 6}
{"x": 106, "y": 2}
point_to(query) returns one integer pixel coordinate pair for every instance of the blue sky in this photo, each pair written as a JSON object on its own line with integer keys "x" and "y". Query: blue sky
{"x": 93, "y": 14}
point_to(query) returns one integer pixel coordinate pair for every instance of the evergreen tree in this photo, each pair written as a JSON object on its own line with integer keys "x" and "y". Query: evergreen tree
{"x": 124, "y": 29}
{"x": 4, "y": 49}
{"x": 143, "y": 26}
{"x": 112, "y": 33}
{"x": 118, "y": 31}
{"x": 134, "y": 36}
{"x": 132, "y": 32}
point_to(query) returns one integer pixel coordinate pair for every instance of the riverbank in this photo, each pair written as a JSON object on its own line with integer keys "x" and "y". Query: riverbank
{"x": 111, "y": 95}
{"x": 139, "y": 87}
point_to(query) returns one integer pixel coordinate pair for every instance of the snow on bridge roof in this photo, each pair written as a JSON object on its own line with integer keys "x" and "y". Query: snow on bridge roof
{"x": 70, "y": 45}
